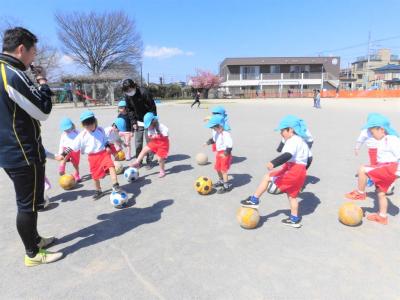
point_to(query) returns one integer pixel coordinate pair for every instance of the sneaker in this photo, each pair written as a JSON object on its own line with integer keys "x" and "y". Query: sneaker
{"x": 249, "y": 203}
{"x": 224, "y": 189}
{"x": 97, "y": 195}
{"x": 390, "y": 190}
{"x": 46, "y": 241}
{"x": 161, "y": 174}
{"x": 218, "y": 184}
{"x": 288, "y": 221}
{"x": 377, "y": 218}
{"x": 43, "y": 257}
{"x": 117, "y": 189}
{"x": 355, "y": 195}
{"x": 77, "y": 177}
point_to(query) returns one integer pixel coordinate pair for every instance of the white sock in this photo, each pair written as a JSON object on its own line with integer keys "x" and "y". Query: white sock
{"x": 383, "y": 215}
{"x": 361, "y": 192}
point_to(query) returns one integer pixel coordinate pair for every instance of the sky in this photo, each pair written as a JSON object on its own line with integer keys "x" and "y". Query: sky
{"x": 180, "y": 37}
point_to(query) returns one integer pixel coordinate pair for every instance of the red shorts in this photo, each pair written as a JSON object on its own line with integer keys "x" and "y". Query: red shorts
{"x": 113, "y": 149}
{"x": 99, "y": 163}
{"x": 74, "y": 157}
{"x": 383, "y": 175}
{"x": 160, "y": 146}
{"x": 214, "y": 147}
{"x": 222, "y": 162}
{"x": 290, "y": 179}
{"x": 373, "y": 156}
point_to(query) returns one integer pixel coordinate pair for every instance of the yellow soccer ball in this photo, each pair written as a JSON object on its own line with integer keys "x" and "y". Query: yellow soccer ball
{"x": 203, "y": 185}
{"x": 67, "y": 181}
{"x": 248, "y": 217}
{"x": 120, "y": 155}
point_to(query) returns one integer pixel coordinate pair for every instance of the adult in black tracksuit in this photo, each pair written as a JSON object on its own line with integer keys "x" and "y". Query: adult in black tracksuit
{"x": 22, "y": 156}
{"x": 139, "y": 102}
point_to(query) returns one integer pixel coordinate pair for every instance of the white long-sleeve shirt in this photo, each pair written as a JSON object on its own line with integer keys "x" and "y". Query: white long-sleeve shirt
{"x": 90, "y": 142}
{"x": 298, "y": 148}
{"x": 365, "y": 137}
{"x": 222, "y": 140}
{"x": 67, "y": 140}
{"x": 388, "y": 149}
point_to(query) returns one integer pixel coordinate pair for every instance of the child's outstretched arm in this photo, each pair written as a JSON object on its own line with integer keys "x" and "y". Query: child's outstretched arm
{"x": 280, "y": 160}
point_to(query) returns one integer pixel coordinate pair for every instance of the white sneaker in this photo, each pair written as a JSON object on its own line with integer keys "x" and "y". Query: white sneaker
{"x": 43, "y": 257}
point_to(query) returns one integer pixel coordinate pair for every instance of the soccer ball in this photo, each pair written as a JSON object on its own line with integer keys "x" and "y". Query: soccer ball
{"x": 119, "y": 168}
{"x": 203, "y": 185}
{"x": 67, "y": 181}
{"x": 120, "y": 155}
{"x": 248, "y": 217}
{"x": 131, "y": 174}
{"x": 118, "y": 200}
{"x": 350, "y": 214}
{"x": 201, "y": 159}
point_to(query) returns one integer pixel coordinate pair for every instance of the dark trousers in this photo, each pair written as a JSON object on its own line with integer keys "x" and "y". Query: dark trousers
{"x": 139, "y": 133}
{"x": 195, "y": 101}
{"x": 29, "y": 190}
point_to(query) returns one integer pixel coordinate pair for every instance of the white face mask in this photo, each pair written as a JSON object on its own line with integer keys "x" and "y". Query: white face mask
{"x": 132, "y": 92}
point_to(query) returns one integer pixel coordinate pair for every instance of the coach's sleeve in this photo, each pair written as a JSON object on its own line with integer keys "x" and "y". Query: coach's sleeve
{"x": 35, "y": 101}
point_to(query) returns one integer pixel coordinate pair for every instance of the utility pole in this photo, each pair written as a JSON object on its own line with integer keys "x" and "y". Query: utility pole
{"x": 148, "y": 78}
{"x": 366, "y": 71}
{"x": 141, "y": 76}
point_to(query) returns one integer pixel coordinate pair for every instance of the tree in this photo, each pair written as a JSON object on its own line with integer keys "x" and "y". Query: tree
{"x": 46, "y": 55}
{"x": 100, "y": 41}
{"x": 205, "y": 80}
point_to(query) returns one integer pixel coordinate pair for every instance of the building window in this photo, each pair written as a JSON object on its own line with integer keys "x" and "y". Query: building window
{"x": 274, "y": 69}
{"x": 250, "y": 72}
{"x": 359, "y": 76}
{"x": 300, "y": 69}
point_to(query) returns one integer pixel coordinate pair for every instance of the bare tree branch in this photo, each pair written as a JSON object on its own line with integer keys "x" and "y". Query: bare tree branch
{"x": 100, "y": 41}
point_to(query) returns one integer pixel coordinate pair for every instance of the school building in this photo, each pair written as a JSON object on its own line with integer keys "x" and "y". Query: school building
{"x": 278, "y": 76}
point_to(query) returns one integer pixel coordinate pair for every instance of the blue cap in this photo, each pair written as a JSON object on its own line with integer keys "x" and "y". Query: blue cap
{"x": 216, "y": 120}
{"x": 378, "y": 120}
{"x": 87, "y": 114}
{"x": 66, "y": 124}
{"x": 148, "y": 118}
{"x": 295, "y": 123}
{"x": 218, "y": 110}
{"x": 122, "y": 103}
{"x": 121, "y": 124}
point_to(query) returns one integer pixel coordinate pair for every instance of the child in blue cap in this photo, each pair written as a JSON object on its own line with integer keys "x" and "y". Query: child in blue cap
{"x": 291, "y": 177}
{"x": 223, "y": 157}
{"x": 384, "y": 172}
{"x": 93, "y": 142}
{"x": 158, "y": 142}
{"x": 125, "y": 132}
{"x": 69, "y": 133}
{"x": 114, "y": 139}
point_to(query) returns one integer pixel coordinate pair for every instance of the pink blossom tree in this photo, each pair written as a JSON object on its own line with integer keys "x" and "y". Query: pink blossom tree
{"x": 204, "y": 81}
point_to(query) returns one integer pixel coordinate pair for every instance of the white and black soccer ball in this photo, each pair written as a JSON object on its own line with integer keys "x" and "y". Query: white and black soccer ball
{"x": 272, "y": 188}
{"x": 131, "y": 174}
{"x": 118, "y": 200}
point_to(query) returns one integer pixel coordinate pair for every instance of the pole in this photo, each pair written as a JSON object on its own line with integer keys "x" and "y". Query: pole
{"x": 141, "y": 76}
{"x": 148, "y": 78}
{"x": 366, "y": 73}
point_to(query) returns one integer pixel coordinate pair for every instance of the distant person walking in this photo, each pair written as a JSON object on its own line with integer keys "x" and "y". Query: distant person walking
{"x": 22, "y": 156}
{"x": 196, "y": 100}
{"x": 317, "y": 99}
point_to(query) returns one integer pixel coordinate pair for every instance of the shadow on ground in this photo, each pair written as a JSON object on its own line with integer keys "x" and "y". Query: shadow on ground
{"x": 307, "y": 206}
{"x": 177, "y": 157}
{"x": 393, "y": 210}
{"x": 113, "y": 225}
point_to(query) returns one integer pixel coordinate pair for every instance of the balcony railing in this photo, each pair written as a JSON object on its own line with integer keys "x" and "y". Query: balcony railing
{"x": 279, "y": 76}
